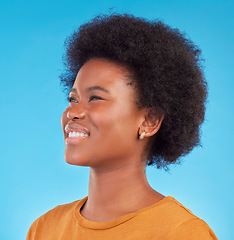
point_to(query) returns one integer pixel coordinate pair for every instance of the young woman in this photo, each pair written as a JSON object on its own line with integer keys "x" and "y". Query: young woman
{"x": 136, "y": 97}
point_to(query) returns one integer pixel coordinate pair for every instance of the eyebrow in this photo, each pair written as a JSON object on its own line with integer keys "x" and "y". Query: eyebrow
{"x": 98, "y": 88}
{"x": 73, "y": 90}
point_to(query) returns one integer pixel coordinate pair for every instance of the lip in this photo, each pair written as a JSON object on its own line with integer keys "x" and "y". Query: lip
{"x": 70, "y": 127}
{"x": 69, "y": 140}
{"x": 74, "y": 127}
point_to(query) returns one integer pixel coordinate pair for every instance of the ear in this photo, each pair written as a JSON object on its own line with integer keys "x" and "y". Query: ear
{"x": 152, "y": 122}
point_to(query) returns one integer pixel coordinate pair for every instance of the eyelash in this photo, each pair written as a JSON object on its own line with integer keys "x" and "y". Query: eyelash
{"x": 92, "y": 97}
{"x": 70, "y": 99}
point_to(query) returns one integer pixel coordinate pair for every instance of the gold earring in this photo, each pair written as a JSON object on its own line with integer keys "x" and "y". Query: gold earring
{"x": 142, "y": 135}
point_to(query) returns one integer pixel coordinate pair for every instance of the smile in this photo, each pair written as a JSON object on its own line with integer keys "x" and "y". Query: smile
{"x": 77, "y": 134}
{"x": 75, "y": 137}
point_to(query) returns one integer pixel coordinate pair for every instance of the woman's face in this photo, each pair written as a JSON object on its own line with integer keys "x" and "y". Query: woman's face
{"x": 101, "y": 123}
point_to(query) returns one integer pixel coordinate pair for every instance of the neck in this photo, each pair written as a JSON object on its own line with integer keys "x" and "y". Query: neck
{"x": 119, "y": 191}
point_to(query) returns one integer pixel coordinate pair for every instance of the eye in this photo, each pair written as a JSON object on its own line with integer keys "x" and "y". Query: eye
{"x": 72, "y": 99}
{"x": 93, "y": 97}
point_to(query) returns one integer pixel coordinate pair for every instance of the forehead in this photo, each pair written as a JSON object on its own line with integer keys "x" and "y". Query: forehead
{"x": 101, "y": 72}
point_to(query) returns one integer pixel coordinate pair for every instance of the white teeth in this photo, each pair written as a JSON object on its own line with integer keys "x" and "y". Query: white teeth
{"x": 77, "y": 134}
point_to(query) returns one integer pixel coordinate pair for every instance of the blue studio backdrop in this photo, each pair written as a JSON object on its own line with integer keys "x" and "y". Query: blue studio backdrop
{"x": 34, "y": 176}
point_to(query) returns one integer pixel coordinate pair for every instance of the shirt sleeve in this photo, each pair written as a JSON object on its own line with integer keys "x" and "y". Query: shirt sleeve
{"x": 195, "y": 229}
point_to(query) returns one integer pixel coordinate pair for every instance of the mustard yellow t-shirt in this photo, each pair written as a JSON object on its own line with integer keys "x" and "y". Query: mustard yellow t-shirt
{"x": 165, "y": 220}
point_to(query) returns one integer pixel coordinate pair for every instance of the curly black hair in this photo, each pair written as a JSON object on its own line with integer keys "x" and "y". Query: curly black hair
{"x": 167, "y": 69}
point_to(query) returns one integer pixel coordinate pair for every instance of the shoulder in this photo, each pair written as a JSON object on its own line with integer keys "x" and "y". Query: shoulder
{"x": 54, "y": 217}
{"x": 192, "y": 229}
{"x": 170, "y": 211}
{"x": 173, "y": 221}
{"x": 58, "y": 211}
{"x": 184, "y": 224}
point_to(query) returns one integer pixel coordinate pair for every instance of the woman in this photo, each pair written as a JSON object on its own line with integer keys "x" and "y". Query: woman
{"x": 136, "y": 97}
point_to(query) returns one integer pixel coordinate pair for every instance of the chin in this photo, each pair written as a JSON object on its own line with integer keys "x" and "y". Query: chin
{"x": 77, "y": 163}
{"x": 75, "y": 160}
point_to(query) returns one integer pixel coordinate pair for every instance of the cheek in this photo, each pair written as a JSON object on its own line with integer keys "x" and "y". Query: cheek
{"x": 114, "y": 124}
{"x": 99, "y": 117}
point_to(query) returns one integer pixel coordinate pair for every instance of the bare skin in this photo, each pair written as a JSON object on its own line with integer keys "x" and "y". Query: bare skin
{"x": 134, "y": 193}
{"x": 111, "y": 147}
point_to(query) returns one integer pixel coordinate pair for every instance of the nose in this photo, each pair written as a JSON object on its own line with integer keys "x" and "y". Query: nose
{"x": 75, "y": 113}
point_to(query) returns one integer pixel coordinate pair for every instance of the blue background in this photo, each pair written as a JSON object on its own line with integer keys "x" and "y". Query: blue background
{"x": 34, "y": 176}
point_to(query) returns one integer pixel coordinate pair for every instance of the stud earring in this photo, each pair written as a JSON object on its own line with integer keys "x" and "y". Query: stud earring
{"x": 142, "y": 135}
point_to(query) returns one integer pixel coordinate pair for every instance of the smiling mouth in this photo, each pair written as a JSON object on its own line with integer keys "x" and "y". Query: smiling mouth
{"x": 77, "y": 134}
{"x": 75, "y": 137}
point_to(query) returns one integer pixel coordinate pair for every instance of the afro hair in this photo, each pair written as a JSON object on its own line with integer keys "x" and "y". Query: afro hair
{"x": 167, "y": 69}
